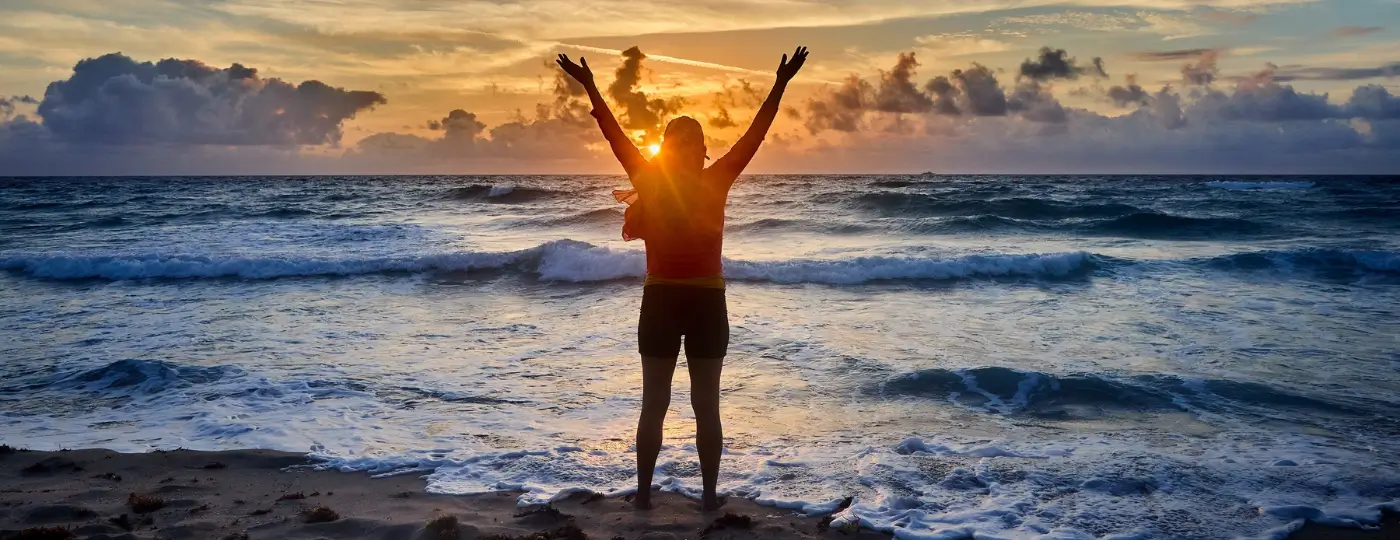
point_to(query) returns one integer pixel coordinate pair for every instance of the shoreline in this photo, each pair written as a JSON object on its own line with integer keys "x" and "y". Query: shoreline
{"x": 250, "y": 494}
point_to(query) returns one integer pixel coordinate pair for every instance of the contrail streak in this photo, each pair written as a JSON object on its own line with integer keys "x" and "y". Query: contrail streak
{"x": 684, "y": 62}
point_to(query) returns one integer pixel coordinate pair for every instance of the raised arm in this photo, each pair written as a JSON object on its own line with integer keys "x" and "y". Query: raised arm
{"x": 622, "y": 147}
{"x": 743, "y": 151}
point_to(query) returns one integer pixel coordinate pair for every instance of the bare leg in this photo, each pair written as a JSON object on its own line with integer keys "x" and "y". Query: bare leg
{"x": 656, "y": 398}
{"x": 709, "y": 434}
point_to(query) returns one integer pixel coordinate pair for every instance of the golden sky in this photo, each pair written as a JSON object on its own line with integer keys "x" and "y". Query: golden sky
{"x": 712, "y": 60}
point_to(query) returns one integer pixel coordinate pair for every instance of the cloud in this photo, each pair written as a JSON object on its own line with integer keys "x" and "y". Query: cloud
{"x": 638, "y": 112}
{"x": 1057, "y": 64}
{"x": 1035, "y": 103}
{"x": 1322, "y": 73}
{"x": 1354, "y": 31}
{"x": 963, "y": 120}
{"x": 982, "y": 95}
{"x": 8, "y": 104}
{"x": 952, "y": 45}
{"x": 1234, "y": 17}
{"x": 1203, "y": 72}
{"x": 1171, "y": 55}
{"x": 842, "y": 109}
{"x": 1372, "y": 102}
{"x": 1130, "y": 93}
{"x": 898, "y": 93}
{"x": 114, "y": 99}
{"x": 721, "y": 119}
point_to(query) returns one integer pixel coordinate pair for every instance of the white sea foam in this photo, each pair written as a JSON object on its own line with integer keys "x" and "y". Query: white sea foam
{"x": 1251, "y": 186}
{"x": 500, "y": 189}
{"x": 560, "y": 260}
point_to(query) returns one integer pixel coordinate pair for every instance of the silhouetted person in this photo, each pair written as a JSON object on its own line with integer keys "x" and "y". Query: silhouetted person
{"x": 677, "y": 209}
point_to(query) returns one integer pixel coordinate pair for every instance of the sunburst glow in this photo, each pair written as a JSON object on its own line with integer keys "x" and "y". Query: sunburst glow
{"x": 654, "y": 149}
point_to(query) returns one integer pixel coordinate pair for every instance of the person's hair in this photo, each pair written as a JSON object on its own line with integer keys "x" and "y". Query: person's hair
{"x": 684, "y": 138}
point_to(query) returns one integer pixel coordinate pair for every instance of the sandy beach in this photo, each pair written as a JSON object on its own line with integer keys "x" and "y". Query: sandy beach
{"x": 246, "y": 494}
{"x": 263, "y": 494}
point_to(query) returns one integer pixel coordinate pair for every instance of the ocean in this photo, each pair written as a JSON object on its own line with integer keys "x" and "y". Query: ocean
{"x": 1016, "y": 357}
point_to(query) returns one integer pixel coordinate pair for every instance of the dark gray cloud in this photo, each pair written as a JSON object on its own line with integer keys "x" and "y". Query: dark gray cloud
{"x": 1057, "y": 64}
{"x": 1172, "y": 55}
{"x": 1372, "y": 102}
{"x": 1323, "y": 73}
{"x": 898, "y": 92}
{"x": 945, "y": 96}
{"x": 1353, "y": 31}
{"x": 842, "y": 109}
{"x": 1262, "y": 99}
{"x": 981, "y": 93}
{"x": 1035, "y": 103}
{"x": 1129, "y": 94}
{"x": 114, "y": 99}
{"x": 638, "y": 112}
{"x": 8, "y": 105}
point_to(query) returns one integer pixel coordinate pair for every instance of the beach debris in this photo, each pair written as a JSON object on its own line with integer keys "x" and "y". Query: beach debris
{"x": 825, "y": 523}
{"x": 44, "y": 533}
{"x": 216, "y": 465}
{"x": 236, "y": 536}
{"x": 442, "y": 528}
{"x": 123, "y": 521}
{"x": 52, "y": 465}
{"x": 728, "y": 520}
{"x": 144, "y": 504}
{"x": 260, "y": 512}
{"x": 108, "y": 476}
{"x": 292, "y": 497}
{"x": 402, "y": 495}
{"x": 567, "y": 532}
{"x": 320, "y": 514}
{"x": 167, "y": 480}
{"x": 544, "y": 511}
{"x": 200, "y": 508}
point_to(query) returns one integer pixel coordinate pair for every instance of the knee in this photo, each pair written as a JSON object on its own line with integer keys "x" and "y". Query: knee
{"x": 705, "y": 408}
{"x": 655, "y": 405}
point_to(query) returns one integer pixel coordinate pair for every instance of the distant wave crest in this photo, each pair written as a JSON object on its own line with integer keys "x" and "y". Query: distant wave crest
{"x": 1011, "y": 391}
{"x": 502, "y": 193}
{"x": 1264, "y": 185}
{"x": 563, "y": 260}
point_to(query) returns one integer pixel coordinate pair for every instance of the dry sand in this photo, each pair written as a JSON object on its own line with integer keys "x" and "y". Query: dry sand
{"x": 100, "y": 494}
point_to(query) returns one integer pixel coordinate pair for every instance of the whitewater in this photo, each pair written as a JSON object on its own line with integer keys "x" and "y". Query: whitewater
{"x": 998, "y": 356}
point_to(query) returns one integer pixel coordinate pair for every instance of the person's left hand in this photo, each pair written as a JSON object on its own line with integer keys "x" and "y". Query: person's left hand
{"x": 789, "y": 67}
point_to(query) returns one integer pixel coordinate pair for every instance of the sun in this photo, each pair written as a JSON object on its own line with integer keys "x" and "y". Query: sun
{"x": 654, "y": 149}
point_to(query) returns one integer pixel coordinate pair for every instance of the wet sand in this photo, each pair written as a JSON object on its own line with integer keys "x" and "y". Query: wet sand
{"x": 252, "y": 494}
{"x": 249, "y": 494}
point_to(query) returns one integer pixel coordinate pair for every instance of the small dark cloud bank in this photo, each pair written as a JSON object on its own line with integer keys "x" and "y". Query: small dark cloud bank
{"x": 1171, "y": 56}
{"x": 1057, "y": 64}
{"x": 114, "y": 99}
{"x": 1354, "y": 31}
{"x": 1326, "y": 73}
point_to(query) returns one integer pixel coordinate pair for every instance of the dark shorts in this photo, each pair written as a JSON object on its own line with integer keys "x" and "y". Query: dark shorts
{"x": 670, "y": 312}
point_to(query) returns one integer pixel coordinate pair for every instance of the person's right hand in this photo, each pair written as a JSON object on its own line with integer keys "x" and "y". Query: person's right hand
{"x": 789, "y": 67}
{"x": 580, "y": 73}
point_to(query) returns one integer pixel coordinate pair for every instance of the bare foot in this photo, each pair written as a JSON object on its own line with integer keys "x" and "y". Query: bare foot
{"x": 710, "y": 502}
{"x": 641, "y": 503}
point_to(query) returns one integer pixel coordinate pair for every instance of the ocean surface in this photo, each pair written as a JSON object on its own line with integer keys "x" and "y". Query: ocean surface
{"x": 1016, "y": 357}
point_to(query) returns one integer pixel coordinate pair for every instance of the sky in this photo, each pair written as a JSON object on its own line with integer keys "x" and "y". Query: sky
{"x": 218, "y": 87}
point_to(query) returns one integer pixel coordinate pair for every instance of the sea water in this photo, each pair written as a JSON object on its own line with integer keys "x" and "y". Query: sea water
{"x": 1016, "y": 357}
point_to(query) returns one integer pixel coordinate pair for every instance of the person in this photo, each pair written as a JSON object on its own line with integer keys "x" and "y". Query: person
{"x": 676, "y": 207}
